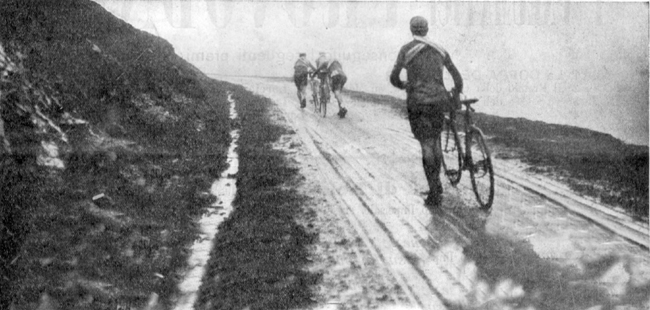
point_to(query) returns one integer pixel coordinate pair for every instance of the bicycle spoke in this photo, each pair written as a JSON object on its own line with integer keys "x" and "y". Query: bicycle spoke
{"x": 481, "y": 171}
{"x": 451, "y": 151}
{"x": 480, "y": 168}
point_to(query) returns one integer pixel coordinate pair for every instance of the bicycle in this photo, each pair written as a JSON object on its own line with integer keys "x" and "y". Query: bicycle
{"x": 324, "y": 95}
{"x": 476, "y": 158}
{"x": 315, "y": 88}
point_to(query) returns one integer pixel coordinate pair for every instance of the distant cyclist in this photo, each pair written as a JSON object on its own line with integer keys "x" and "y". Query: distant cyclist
{"x": 301, "y": 70}
{"x": 427, "y": 99}
{"x": 329, "y": 70}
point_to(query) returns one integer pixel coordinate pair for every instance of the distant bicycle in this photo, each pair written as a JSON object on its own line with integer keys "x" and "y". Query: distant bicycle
{"x": 324, "y": 95}
{"x": 476, "y": 158}
{"x": 315, "y": 89}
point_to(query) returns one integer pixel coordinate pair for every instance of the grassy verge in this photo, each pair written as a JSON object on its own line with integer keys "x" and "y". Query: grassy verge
{"x": 118, "y": 250}
{"x": 590, "y": 162}
{"x": 260, "y": 251}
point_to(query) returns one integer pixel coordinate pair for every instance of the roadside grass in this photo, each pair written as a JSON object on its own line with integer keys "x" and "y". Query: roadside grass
{"x": 591, "y": 163}
{"x": 85, "y": 260}
{"x": 260, "y": 256}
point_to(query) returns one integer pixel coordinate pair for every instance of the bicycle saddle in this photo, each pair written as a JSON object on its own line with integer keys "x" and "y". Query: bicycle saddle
{"x": 469, "y": 101}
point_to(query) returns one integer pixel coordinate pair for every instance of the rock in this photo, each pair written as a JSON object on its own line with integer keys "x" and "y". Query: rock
{"x": 103, "y": 201}
{"x": 46, "y": 261}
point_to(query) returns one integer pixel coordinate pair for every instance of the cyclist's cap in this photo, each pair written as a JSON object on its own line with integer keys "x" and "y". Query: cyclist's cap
{"x": 302, "y": 54}
{"x": 419, "y": 24}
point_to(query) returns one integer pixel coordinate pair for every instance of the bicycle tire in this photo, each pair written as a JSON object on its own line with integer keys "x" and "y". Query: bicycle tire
{"x": 325, "y": 98}
{"x": 480, "y": 167}
{"x": 452, "y": 157}
{"x": 314, "y": 93}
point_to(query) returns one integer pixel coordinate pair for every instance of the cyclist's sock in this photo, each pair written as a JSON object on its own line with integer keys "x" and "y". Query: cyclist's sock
{"x": 433, "y": 200}
{"x": 433, "y": 176}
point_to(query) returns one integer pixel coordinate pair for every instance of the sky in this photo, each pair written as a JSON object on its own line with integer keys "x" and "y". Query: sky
{"x": 582, "y": 64}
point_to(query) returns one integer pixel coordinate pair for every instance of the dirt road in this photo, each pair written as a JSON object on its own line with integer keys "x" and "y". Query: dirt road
{"x": 365, "y": 178}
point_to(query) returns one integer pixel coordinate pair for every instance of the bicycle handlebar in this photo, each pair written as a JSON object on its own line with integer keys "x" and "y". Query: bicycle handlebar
{"x": 467, "y": 103}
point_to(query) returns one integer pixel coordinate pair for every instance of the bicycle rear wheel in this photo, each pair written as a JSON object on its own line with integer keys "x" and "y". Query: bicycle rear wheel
{"x": 451, "y": 151}
{"x": 314, "y": 94}
{"x": 325, "y": 98}
{"x": 480, "y": 169}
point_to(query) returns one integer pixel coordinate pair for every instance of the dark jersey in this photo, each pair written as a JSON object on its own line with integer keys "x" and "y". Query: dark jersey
{"x": 424, "y": 66}
{"x": 302, "y": 67}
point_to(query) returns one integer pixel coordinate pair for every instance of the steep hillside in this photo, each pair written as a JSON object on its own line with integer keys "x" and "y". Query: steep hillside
{"x": 109, "y": 138}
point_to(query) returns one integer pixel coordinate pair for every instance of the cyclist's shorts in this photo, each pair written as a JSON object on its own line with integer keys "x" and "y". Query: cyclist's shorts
{"x": 426, "y": 121}
{"x": 338, "y": 81}
{"x": 300, "y": 80}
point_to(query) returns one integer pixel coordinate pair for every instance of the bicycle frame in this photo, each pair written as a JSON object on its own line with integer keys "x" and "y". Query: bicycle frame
{"x": 315, "y": 90}
{"x": 324, "y": 95}
{"x": 475, "y": 145}
{"x": 325, "y": 88}
{"x": 470, "y": 128}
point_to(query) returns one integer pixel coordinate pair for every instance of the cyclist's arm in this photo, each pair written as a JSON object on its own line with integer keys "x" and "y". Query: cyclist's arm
{"x": 397, "y": 69}
{"x": 321, "y": 67}
{"x": 311, "y": 67}
{"x": 458, "y": 80}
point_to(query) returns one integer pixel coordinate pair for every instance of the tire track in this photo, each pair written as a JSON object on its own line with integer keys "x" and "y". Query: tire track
{"x": 604, "y": 216}
{"x": 373, "y": 235}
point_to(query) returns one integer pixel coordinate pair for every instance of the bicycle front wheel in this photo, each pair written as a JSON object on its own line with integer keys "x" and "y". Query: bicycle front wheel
{"x": 480, "y": 169}
{"x": 451, "y": 151}
{"x": 325, "y": 98}
{"x": 315, "y": 99}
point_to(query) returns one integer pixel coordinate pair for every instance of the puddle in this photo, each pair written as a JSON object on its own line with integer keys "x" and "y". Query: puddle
{"x": 224, "y": 189}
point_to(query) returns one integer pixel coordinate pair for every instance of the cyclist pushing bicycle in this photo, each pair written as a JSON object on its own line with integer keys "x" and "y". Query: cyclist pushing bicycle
{"x": 427, "y": 98}
{"x": 301, "y": 68}
{"x": 331, "y": 75}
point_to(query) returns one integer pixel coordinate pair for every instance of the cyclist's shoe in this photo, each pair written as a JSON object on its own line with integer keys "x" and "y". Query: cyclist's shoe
{"x": 303, "y": 103}
{"x": 433, "y": 201}
{"x": 342, "y": 112}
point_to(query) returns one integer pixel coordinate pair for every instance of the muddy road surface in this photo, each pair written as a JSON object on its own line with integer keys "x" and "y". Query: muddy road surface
{"x": 382, "y": 248}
